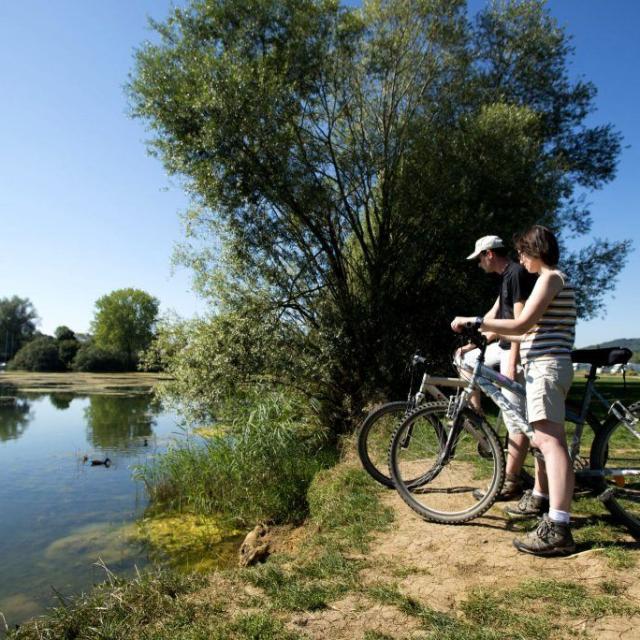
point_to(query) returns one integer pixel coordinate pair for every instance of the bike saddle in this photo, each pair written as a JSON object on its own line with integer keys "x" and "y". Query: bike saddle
{"x": 602, "y": 357}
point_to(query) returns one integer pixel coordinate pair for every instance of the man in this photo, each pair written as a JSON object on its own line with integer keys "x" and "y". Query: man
{"x": 516, "y": 284}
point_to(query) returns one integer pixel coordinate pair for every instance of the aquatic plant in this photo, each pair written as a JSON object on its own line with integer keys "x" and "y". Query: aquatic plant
{"x": 255, "y": 465}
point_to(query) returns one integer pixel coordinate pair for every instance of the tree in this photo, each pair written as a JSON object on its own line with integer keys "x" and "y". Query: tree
{"x": 124, "y": 322}
{"x": 67, "y": 350}
{"x": 68, "y": 345}
{"x": 17, "y": 325}
{"x": 41, "y": 354}
{"x": 64, "y": 333}
{"x": 342, "y": 161}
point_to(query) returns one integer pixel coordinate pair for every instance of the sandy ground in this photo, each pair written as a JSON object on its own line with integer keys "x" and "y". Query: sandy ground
{"x": 444, "y": 563}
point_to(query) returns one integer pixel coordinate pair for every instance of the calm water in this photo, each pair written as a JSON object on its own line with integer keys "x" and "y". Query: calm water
{"x": 58, "y": 514}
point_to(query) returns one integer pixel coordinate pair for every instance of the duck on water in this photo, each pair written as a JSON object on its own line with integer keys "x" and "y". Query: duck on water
{"x": 97, "y": 463}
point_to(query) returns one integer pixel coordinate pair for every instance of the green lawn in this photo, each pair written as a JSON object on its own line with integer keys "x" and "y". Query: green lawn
{"x": 611, "y": 387}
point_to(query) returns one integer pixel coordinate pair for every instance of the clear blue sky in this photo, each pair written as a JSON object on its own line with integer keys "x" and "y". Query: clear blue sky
{"x": 84, "y": 210}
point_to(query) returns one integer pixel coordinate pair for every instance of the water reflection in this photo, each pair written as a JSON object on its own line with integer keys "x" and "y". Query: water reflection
{"x": 15, "y": 415}
{"x": 62, "y": 400}
{"x": 58, "y": 516}
{"x": 120, "y": 425}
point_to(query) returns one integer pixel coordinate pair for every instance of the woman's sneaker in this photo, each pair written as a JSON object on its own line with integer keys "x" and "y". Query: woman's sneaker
{"x": 529, "y": 506}
{"x": 549, "y": 539}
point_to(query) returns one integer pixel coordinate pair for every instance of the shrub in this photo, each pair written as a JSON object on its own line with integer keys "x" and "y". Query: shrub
{"x": 41, "y": 354}
{"x": 257, "y": 465}
{"x": 91, "y": 358}
{"x": 67, "y": 350}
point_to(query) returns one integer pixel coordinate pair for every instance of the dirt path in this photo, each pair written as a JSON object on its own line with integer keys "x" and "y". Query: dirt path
{"x": 439, "y": 565}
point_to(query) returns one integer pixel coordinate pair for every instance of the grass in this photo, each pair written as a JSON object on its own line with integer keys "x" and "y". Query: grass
{"x": 611, "y": 387}
{"x": 161, "y": 606}
{"x": 594, "y": 528}
{"x": 376, "y": 635}
{"x": 119, "y": 609}
{"x": 541, "y": 609}
{"x": 344, "y": 504}
{"x": 619, "y": 558}
{"x": 445, "y": 625}
{"x": 534, "y": 610}
{"x": 291, "y": 590}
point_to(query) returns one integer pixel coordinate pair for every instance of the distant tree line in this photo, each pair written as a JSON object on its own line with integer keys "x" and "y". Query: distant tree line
{"x": 123, "y": 327}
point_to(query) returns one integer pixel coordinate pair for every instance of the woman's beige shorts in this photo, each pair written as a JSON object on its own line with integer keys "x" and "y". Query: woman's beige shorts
{"x": 547, "y": 381}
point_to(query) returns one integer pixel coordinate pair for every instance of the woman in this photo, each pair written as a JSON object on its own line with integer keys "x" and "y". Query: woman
{"x": 546, "y": 331}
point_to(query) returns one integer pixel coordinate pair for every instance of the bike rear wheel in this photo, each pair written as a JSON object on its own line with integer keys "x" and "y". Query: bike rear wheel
{"x": 374, "y": 437}
{"x": 614, "y": 450}
{"x": 462, "y": 488}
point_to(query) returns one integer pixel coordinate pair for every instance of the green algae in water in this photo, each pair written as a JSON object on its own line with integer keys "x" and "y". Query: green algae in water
{"x": 190, "y": 542}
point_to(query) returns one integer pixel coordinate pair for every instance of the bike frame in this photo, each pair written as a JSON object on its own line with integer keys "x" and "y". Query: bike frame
{"x": 490, "y": 383}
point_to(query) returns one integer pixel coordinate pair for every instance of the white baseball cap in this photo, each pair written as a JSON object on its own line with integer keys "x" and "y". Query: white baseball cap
{"x": 484, "y": 243}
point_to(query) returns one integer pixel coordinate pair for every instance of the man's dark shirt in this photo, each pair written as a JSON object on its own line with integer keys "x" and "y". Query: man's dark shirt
{"x": 516, "y": 284}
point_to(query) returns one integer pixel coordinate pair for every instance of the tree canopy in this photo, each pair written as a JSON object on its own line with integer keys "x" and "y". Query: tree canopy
{"x": 64, "y": 333}
{"x": 17, "y": 325}
{"x": 124, "y": 322}
{"x": 342, "y": 161}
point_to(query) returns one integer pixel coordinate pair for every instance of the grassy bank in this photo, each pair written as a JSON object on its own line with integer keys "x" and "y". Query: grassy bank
{"x": 254, "y": 463}
{"x": 327, "y": 572}
{"x": 237, "y": 604}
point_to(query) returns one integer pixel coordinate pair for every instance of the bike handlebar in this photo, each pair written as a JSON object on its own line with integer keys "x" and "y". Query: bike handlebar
{"x": 473, "y": 335}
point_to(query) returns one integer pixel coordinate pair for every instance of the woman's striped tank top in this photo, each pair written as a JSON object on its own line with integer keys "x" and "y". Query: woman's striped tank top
{"x": 554, "y": 334}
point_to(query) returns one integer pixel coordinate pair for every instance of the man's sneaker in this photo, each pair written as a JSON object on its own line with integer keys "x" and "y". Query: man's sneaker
{"x": 511, "y": 489}
{"x": 549, "y": 539}
{"x": 529, "y": 506}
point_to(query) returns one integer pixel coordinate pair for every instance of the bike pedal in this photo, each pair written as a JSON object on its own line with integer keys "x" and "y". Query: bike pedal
{"x": 606, "y": 495}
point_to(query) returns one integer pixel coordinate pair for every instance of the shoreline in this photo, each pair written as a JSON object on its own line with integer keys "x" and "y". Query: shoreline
{"x": 83, "y": 383}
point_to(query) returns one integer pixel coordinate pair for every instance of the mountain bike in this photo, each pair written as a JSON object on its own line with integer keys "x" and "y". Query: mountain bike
{"x": 438, "y": 459}
{"x": 377, "y": 429}
{"x": 374, "y": 434}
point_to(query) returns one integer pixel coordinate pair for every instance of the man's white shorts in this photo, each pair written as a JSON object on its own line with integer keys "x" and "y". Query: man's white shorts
{"x": 495, "y": 357}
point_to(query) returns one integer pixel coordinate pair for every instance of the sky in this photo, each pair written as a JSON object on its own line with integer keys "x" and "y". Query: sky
{"x": 84, "y": 209}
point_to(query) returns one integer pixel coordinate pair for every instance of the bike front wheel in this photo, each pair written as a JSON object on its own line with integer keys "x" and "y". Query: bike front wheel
{"x": 616, "y": 452}
{"x": 459, "y": 488}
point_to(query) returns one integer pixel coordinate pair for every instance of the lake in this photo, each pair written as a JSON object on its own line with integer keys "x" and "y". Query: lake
{"x": 59, "y": 514}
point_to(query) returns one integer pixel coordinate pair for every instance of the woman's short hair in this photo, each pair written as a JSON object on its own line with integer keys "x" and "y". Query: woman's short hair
{"x": 539, "y": 242}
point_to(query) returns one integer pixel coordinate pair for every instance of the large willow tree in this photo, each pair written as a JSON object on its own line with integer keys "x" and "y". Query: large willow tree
{"x": 343, "y": 161}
